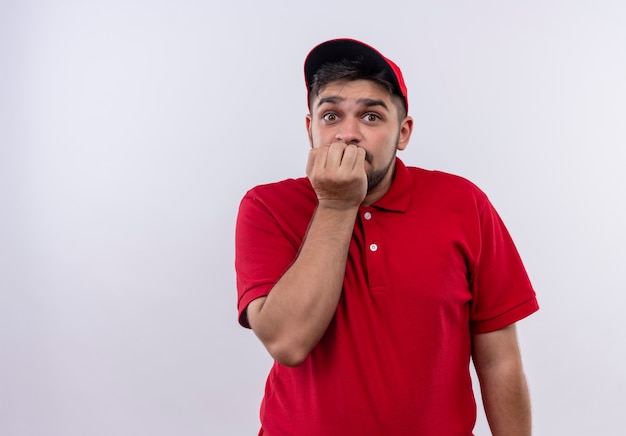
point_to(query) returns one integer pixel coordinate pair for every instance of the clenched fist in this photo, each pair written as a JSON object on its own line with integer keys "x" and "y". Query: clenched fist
{"x": 337, "y": 173}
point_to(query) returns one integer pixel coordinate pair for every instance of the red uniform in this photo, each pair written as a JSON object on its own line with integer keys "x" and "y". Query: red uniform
{"x": 429, "y": 264}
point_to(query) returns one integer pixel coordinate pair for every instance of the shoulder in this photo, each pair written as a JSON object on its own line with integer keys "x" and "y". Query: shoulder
{"x": 288, "y": 189}
{"x": 446, "y": 185}
{"x": 283, "y": 197}
{"x": 438, "y": 177}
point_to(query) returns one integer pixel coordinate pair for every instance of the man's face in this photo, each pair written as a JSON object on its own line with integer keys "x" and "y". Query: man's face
{"x": 363, "y": 113}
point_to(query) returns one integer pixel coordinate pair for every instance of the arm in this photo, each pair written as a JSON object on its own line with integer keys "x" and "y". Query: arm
{"x": 503, "y": 386}
{"x": 294, "y": 316}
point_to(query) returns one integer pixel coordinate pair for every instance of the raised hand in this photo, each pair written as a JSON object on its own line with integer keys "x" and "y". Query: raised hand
{"x": 337, "y": 174}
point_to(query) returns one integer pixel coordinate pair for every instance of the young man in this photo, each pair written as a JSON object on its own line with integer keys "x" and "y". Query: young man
{"x": 371, "y": 283}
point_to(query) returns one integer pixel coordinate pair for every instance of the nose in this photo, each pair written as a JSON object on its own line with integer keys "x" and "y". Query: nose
{"x": 349, "y": 131}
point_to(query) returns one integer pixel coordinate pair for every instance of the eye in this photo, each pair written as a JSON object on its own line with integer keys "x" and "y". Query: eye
{"x": 371, "y": 117}
{"x": 329, "y": 117}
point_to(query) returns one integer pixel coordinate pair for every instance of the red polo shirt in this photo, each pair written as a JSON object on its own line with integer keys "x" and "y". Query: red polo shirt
{"x": 429, "y": 264}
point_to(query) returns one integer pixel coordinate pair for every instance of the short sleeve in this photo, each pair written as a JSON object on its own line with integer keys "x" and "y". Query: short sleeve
{"x": 502, "y": 293}
{"x": 271, "y": 224}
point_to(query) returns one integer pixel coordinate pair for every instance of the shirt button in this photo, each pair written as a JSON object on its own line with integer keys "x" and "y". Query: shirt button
{"x": 367, "y": 215}
{"x": 373, "y": 247}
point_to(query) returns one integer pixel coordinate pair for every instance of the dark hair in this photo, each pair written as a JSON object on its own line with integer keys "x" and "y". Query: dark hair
{"x": 354, "y": 69}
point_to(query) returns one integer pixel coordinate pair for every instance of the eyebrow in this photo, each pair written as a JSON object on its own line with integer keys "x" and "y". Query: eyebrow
{"x": 367, "y": 102}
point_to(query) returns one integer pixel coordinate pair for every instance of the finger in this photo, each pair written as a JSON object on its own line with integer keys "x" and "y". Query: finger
{"x": 349, "y": 157}
{"x": 359, "y": 161}
{"x": 310, "y": 163}
{"x": 354, "y": 157}
{"x": 316, "y": 159}
{"x": 335, "y": 154}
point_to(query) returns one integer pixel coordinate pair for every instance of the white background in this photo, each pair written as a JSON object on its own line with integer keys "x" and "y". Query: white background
{"x": 130, "y": 130}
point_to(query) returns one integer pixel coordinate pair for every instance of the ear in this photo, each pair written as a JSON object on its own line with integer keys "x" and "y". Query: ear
{"x": 406, "y": 128}
{"x": 308, "y": 129}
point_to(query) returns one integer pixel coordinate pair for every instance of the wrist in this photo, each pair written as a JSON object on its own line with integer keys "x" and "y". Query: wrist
{"x": 338, "y": 205}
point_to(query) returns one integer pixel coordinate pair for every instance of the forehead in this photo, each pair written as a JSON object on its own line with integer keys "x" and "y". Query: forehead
{"x": 353, "y": 90}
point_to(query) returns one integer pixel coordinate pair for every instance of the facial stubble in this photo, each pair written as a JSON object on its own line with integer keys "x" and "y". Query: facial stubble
{"x": 375, "y": 177}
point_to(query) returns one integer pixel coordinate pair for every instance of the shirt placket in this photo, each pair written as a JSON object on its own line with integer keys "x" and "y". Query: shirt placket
{"x": 375, "y": 249}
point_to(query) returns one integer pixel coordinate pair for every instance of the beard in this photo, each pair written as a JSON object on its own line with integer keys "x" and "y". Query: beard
{"x": 374, "y": 177}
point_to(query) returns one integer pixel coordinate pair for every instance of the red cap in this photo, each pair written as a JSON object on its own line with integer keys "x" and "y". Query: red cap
{"x": 344, "y": 48}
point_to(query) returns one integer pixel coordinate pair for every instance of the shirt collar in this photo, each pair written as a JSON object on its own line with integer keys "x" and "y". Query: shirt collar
{"x": 398, "y": 197}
